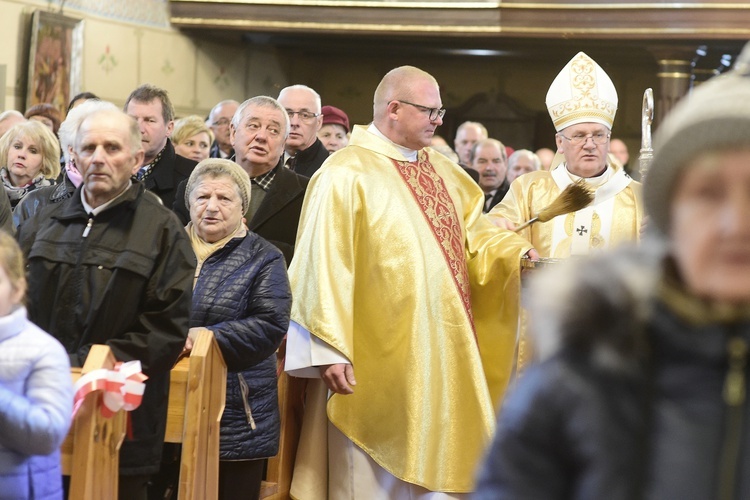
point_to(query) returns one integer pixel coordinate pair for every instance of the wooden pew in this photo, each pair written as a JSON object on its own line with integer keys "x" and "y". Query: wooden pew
{"x": 196, "y": 401}
{"x": 291, "y": 405}
{"x": 90, "y": 454}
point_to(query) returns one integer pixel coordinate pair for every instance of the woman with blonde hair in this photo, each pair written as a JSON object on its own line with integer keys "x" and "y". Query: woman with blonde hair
{"x": 192, "y": 138}
{"x": 30, "y": 155}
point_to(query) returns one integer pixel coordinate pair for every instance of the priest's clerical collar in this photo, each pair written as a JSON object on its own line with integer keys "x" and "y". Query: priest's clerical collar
{"x": 409, "y": 154}
{"x": 596, "y": 180}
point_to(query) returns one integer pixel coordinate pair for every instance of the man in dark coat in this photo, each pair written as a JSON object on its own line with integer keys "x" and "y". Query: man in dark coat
{"x": 110, "y": 265}
{"x": 162, "y": 169}
{"x": 489, "y": 158}
{"x": 305, "y": 153}
{"x": 259, "y": 129}
{"x": 219, "y": 120}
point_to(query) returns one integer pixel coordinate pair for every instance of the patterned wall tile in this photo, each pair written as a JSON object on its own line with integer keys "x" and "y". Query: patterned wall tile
{"x": 145, "y": 12}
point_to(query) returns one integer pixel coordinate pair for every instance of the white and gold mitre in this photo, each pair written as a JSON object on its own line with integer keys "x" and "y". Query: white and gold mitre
{"x": 581, "y": 92}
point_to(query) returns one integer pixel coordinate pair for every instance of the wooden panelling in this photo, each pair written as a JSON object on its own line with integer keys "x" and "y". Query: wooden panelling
{"x": 584, "y": 18}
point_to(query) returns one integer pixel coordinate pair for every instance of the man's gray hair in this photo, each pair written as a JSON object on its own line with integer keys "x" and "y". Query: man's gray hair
{"x": 524, "y": 153}
{"x": 261, "y": 101}
{"x": 134, "y": 131}
{"x": 219, "y": 167}
{"x": 482, "y": 142}
{"x": 215, "y": 109}
{"x": 481, "y": 127}
{"x": 11, "y": 113}
{"x": 69, "y": 127}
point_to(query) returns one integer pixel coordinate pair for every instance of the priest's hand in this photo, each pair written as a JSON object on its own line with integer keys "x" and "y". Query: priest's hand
{"x": 339, "y": 377}
{"x": 533, "y": 254}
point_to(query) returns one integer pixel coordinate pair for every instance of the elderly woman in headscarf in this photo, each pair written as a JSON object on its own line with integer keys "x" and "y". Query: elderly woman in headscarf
{"x": 241, "y": 293}
{"x": 30, "y": 159}
{"x": 642, "y": 389}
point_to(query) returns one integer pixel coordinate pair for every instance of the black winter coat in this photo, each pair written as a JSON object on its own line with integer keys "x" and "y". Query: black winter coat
{"x": 37, "y": 199}
{"x": 243, "y": 296}
{"x": 309, "y": 161}
{"x": 126, "y": 282}
{"x": 166, "y": 175}
{"x": 606, "y": 417}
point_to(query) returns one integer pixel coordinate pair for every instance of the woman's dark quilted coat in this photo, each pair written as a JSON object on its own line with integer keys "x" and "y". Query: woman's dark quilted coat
{"x": 243, "y": 296}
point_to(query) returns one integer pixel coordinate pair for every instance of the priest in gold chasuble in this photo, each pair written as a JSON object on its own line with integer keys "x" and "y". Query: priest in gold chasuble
{"x": 582, "y": 102}
{"x": 405, "y": 304}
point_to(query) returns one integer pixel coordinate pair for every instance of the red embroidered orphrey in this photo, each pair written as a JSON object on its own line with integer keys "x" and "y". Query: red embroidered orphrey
{"x": 437, "y": 206}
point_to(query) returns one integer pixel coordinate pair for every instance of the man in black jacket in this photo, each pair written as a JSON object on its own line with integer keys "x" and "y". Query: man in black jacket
{"x": 259, "y": 128}
{"x": 219, "y": 120}
{"x": 162, "y": 169}
{"x": 489, "y": 158}
{"x": 305, "y": 153}
{"x": 110, "y": 265}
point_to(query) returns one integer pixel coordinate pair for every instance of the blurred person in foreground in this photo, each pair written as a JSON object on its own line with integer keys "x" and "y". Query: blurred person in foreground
{"x": 642, "y": 390}
{"x": 36, "y": 391}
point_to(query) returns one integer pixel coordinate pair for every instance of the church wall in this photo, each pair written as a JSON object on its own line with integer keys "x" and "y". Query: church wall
{"x": 130, "y": 43}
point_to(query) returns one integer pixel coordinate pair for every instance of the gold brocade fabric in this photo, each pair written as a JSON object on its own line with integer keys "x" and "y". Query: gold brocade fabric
{"x": 370, "y": 279}
{"x": 534, "y": 191}
{"x": 433, "y": 198}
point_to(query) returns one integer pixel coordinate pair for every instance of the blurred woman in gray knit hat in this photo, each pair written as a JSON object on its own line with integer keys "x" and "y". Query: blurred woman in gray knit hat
{"x": 641, "y": 390}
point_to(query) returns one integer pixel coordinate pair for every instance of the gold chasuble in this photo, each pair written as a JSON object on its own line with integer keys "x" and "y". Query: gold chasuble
{"x": 612, "y": 218}
{"x": 397, "y": 269}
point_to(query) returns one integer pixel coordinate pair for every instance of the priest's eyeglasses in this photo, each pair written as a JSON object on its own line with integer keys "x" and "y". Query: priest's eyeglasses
{"x": 305, "y": 116}
{"x": 579, "y": 139}
{"x": 434, "y": 113}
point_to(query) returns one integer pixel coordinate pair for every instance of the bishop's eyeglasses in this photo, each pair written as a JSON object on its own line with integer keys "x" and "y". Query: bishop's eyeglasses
{"x": 578, "y": 139}
{"x": 433, "y": 113}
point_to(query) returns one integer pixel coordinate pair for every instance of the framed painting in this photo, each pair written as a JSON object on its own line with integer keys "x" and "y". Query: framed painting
{"x": 55, "y": 56}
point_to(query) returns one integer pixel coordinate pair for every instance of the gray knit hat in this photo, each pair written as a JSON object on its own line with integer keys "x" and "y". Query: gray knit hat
{"x": 714, "y": 117}
{"x": 219, "y": 167}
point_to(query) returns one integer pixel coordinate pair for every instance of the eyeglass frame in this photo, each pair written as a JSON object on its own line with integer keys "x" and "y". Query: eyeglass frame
{"x": 309, "y": 119}
{"x": 586, "y": 137}
{"x": 438, "y": 112}
{"x": 222, "y": 122}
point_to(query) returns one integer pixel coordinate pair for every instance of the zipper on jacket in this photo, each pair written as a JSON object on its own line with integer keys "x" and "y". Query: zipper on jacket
{"x": 87, "y": 229}
{"x": 735, "y": 395}
{"x": 245, "y": 390}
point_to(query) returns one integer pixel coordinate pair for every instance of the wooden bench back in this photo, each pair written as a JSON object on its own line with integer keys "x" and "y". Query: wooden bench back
{"x": 90, "y": 453}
